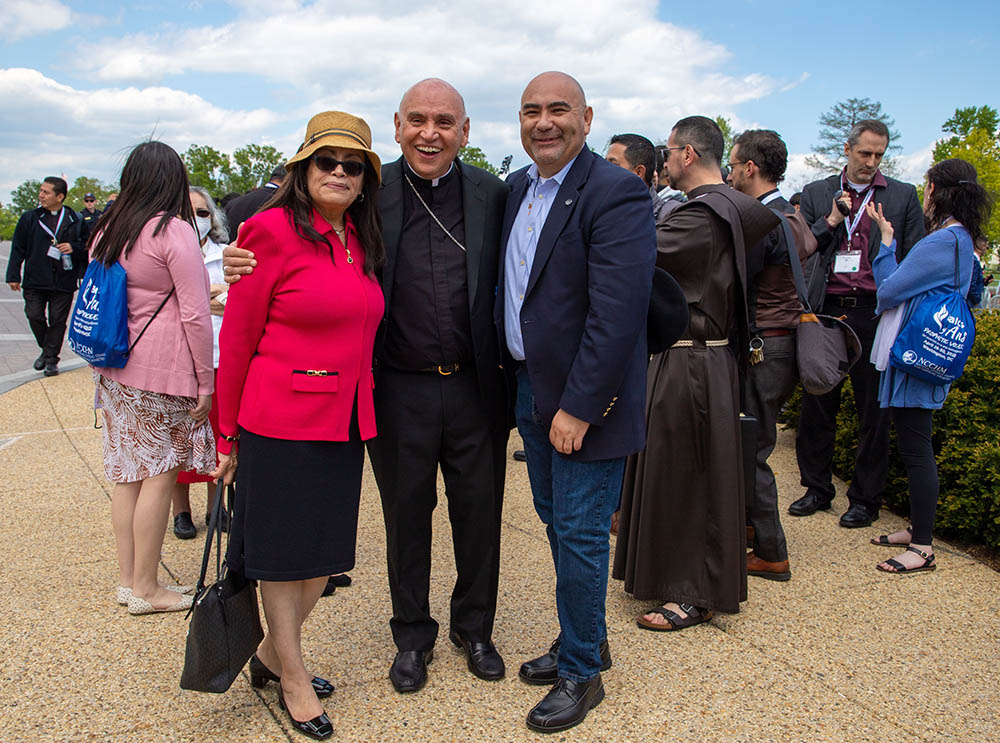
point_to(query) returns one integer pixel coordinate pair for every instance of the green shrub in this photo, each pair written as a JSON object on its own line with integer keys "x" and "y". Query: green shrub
{"x": 966, "y": 443}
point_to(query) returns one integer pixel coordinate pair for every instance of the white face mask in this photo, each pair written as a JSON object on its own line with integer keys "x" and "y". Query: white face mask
{"x": 204, "y": 226}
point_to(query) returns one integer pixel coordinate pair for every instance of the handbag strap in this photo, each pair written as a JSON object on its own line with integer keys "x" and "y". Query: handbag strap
{"x": 169, "y": 294}
{"x": 793, "y": 260}
{"x": 957, "y": 285}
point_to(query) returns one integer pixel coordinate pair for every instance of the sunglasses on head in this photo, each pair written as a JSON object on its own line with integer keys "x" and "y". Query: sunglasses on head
{"x": 329, "y": 164}
{"x": 202, "y": 213}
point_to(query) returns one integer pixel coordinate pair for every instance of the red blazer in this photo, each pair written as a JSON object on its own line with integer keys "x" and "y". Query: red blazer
{"x": 295, "y": 350}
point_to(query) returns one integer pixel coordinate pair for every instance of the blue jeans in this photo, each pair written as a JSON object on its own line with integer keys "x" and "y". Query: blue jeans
{"x": 575, "y": 501}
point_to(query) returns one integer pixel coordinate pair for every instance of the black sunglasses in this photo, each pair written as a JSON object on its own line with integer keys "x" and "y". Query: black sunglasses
{"x": 329, "y": 164}
{"x": 202, "y": 213}
{"x": 89, "y": 201}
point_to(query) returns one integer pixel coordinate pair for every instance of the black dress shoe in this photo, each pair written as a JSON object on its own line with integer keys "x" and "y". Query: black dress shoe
{"x": 329, "y": 589}
{"x": 520, "y": 456}
{"x": 223, "y": 520}
{"x": 318, "y": 727}
{"x": 566, "y": 704}
{"x": 51, "y": 370}
{"x": 39, "y": 363}
{"x": 261, "y": 674}
{"x": 545, "y": 668}
{"x": 183, "y": 526}
{"x": 809, "y": 504}
{"x": 342, "y": 580}
{"x": 409, "y": 670}
{"x": 482, "y": 657}
{"x": 857, "y": 516}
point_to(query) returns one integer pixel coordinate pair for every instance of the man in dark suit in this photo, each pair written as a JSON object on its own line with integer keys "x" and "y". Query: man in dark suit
{"x": 578, "y": 248}
{"x": 240, "y": 209}
{"x": 839, "y": 279}
{"x": 440, "y": 397}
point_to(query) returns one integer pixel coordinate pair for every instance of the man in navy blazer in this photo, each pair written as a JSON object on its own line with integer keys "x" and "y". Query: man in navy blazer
{"x": 577, "y": 253}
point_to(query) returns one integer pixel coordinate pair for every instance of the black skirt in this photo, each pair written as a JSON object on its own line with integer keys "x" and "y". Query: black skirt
{"x": 296, "y": 510}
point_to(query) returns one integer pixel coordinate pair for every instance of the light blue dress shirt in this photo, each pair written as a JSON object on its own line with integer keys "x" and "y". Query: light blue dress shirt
{"x": 521, "y": 244}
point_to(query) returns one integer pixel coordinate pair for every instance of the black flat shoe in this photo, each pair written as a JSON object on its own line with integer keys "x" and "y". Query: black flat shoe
{"x": 343, "y": 580}
{"x": 409, "y": 670}
{"x": 809, "y": 504}
{"x": 51, "y": 370}
{"x": 545, "y": 668}
{"x": 482, "y": 658}
{"x": 566, "y": 705}
{"x": 223, "y": 520}
{"x": 318, "y": 727}
{"x": 183, "y": 526}
{"x": 857, "y": 516}
{"x": 39, "y": 363}
{"x": 261, "y": 674}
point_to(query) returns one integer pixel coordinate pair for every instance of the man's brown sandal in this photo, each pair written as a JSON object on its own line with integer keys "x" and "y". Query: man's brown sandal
{"x": 695, "y": 615}
{"x": 899, "y": 569}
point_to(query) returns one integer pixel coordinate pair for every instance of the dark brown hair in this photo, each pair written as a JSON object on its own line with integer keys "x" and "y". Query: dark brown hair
{"x": 957, "y": 194}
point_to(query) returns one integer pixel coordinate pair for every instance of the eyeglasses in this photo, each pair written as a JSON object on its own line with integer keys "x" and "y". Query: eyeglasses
{"x": 328, "y": 164}
{"x": 668, "y": 149}
{"x": 732, "y": 165}
{"x": 202, "y": 213}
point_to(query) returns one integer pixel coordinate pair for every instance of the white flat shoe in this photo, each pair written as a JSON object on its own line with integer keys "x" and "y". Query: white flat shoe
{"x": 123, "y": 592}
{"x": 138, "y": 606}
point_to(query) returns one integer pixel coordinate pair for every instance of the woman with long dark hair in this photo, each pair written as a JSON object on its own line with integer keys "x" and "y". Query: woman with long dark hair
{"x": 156, "y": 406}
{"x": 295, "y": 392}
{"x": 956, "y": 207}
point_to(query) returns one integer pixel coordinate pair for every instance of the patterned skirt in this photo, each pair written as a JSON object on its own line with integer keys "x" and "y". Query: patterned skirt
{"x": 148, "y": 433}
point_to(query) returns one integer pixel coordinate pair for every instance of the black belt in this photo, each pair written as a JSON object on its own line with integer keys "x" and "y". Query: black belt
{"x": 844, "y": 300}
{"x": 444, "y": 370}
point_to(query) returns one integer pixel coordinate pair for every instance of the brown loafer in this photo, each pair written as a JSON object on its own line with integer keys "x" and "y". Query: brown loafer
{"x": 614, "y": 522}
{"x": 769, "y": 570}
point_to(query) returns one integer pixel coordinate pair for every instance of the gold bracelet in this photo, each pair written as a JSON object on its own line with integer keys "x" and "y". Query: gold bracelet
{"x": 230, "y": 438}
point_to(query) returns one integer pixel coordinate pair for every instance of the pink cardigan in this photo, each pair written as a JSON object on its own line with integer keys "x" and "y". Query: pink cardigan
{"x": 174, "y": 355}
{"x": 295, "y": 352}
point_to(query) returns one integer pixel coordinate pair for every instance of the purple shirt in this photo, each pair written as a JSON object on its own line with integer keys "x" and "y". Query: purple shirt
{"x": 862, "y": 281}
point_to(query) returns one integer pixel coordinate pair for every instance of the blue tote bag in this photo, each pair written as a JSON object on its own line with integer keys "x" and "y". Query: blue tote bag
{"x": 935, "y": 342}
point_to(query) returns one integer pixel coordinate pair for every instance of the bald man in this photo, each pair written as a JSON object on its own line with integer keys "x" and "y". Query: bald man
{"x": 577, "y": 264}
{"x": 440, "y": 398}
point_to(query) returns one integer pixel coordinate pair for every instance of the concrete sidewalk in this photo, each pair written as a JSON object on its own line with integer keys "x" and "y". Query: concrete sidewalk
{"x": 839, "y": 653}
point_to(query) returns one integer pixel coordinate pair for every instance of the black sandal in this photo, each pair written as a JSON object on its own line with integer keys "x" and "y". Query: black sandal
{"x": 899, "y": 569}
{"x": 695, "y": 615}
{"x": 883, "y": 540}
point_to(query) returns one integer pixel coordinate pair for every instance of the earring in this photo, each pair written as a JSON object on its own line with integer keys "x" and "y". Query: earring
{"x": 361, "y": 197}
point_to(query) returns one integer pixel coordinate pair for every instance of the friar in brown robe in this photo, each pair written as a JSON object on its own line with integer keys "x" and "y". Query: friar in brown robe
{"x": 682, "y": 536}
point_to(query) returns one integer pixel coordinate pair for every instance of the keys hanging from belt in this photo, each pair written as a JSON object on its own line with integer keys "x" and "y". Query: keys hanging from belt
{"x": 756, "y": 350}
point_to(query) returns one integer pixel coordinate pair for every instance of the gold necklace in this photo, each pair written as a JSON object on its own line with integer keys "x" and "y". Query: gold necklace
{"x": 343, "y": 239}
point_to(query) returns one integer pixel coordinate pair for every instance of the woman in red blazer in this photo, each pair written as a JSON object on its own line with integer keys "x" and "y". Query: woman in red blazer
{"x": 295, "y": 392}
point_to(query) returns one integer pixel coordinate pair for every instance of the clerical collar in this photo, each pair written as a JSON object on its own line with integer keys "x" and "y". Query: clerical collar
{"x": 433, "y": 182}
{"x": 56, "y": 212}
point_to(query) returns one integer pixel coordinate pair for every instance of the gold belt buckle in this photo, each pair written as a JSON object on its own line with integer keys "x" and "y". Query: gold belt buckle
{"x": 443, "y": 373}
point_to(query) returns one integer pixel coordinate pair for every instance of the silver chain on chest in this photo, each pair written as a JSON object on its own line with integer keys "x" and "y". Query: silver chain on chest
{"x": 433, "y": 215}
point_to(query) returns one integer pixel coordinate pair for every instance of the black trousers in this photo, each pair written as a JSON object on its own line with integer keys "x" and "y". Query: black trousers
{"x": 48, "y": 334}
{"x": 913, "y": 438}
{"x": 814, "y": 441}
{"x": 426, "y": 420}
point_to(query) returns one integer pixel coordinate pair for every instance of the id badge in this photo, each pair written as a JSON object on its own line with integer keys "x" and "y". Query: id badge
{"x": 848, "y": 261}
{"x": 54, "y": 252}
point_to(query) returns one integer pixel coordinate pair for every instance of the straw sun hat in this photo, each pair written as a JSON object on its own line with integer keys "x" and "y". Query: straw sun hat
{"x": 337, "y": 129}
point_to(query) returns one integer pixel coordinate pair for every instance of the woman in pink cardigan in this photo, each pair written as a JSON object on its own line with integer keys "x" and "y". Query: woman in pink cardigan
{"x": 156, "y": 406}
{"x": 295, "y": 393}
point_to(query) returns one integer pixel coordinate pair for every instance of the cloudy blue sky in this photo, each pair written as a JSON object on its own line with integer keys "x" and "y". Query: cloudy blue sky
{"x": 81, "y": 82}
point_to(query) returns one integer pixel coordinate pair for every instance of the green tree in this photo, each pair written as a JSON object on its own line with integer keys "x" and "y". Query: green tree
{"x": 835, "y": 127}
{"x": 475, "y": 156}
{"x": 84, "y": 185}
{"x": 728, "y": 135}
{"x": 975, "y": 137}
{"x": 252, "y": 166}
{"x": 25, "y": 197}
{"x": 208, "y": 168}
{"x": 8, "y": 221}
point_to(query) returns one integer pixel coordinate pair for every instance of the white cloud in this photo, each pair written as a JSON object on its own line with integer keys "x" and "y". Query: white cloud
{"x": 23, "y": 18}
{"x": 913, "y": 167}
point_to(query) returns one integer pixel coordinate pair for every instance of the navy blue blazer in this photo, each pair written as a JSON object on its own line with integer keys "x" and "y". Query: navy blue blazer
{"x": 583, "y": 319}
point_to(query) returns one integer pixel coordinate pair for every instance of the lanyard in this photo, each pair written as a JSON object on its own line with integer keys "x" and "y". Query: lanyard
{"x": 852, "y": 224}
{"x": 62, "y": 213}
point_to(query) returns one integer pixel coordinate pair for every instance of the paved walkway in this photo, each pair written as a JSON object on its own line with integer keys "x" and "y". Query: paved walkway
{"x": 839, "y": 653}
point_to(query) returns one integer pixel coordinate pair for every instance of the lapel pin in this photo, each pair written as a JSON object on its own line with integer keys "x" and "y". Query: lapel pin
{"x": 569, "y": 201}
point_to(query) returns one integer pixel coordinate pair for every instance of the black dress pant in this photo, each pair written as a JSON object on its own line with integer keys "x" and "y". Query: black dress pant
{"x": 814, "y": 441}
{"x": 426, "y": 420}
{"x": 49, "y": 333}
{"x": 913, "y": 439}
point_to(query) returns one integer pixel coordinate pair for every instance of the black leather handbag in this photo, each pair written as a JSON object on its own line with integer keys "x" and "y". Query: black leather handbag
{"x": 225, "y": 620}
